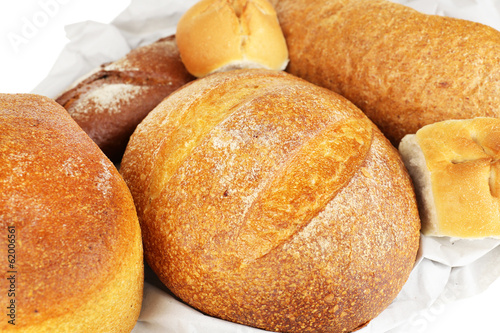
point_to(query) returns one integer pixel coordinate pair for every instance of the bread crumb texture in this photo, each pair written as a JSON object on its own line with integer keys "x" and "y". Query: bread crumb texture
{"x": 78, "y": 243}
{"x": 268, "y": 201}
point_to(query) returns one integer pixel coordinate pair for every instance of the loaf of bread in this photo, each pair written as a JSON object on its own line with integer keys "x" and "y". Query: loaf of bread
{"x": 271, "y": 202}
{"x": 69, "y": 222}
{"x": 110, "y": 102}
{"x": 220, "y": 35}
{"x": 404, "y": 69}
{"x": 456, "y": 169}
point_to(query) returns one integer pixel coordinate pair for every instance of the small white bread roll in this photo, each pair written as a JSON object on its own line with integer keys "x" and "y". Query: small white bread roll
{"x": 455, "y": 168}
{"x": 220, "y": 35}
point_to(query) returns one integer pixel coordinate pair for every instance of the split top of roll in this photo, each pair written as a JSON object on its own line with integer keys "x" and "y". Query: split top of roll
{"x": 220, "y": 35}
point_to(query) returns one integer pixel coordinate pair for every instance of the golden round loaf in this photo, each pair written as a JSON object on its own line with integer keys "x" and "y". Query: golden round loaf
{"x": 77, "y": 262}
{"x": 268, "y": 201}
{"x": 219, "y": 35}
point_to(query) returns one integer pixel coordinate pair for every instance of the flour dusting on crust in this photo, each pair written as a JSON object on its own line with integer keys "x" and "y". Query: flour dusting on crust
{"x": 108, "y": 98}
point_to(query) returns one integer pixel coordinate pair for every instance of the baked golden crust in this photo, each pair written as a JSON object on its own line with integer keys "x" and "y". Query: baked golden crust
{"x": 404, "y": 69}
{"x": 110, "y": 103}
{"x": 271, "y": 202}
{"x": 455, "y": 167}
{"x": 217, "y": 35}
{"x": 79, "y": 252}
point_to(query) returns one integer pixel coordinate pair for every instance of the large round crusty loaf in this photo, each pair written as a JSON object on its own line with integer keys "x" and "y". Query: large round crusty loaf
{"x": 109, "y": 103}
{"x": 78, "y": 263}
{"x": 271, "y": 202}
{"x": 220, "y": 35}
{"x": 456, "y": 170}
{"x": 404, "y": 69}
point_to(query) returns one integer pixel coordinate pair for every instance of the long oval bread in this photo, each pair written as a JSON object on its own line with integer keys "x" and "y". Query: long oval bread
{"x": 404, "y": 69}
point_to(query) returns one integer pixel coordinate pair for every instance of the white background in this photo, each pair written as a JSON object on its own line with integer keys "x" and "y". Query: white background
{"x": 32, "y": 36}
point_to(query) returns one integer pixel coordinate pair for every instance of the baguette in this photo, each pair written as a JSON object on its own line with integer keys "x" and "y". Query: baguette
{"x": 404, "y": 69}
{"x": 271, "y": 202}
{"x": 110, "y": 102}
{"x": 77, "y": 262}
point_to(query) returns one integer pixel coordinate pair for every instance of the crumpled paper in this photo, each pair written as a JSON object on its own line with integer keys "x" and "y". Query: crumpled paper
{"x": 446, "y": 269}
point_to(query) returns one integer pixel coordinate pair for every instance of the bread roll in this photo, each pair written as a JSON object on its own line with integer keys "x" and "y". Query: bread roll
{"x": 456, "y": 170}
{"x": 268, "y": 201}
{"x": 404, "y": 69}
{"x": 109, "y": 103}
{"x": 220, "y": 35}
{"x": 78, "y": 263}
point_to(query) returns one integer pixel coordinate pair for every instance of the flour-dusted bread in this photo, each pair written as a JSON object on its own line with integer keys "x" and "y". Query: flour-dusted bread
{"x": 110, "y": 102}
{"x": 404, "y": 69}
{"x": 220, "y": 35}
{"x": 78, "y": 264}
{"x": 456, "y": 170}
{"x": 268, "y": 201}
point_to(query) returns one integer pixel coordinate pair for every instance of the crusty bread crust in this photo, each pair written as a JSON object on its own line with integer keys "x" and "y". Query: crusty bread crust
{"x": 272, "y": 202}
{"x": 404, "y": 69}
{"x": 456, "y": 169}
{"x": 214, "y": 35}
{"x": 78, "y": 246}
{"x": 109, "y": 103}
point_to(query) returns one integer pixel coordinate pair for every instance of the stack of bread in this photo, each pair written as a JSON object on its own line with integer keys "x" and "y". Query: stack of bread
{"x": 260, "y": 197}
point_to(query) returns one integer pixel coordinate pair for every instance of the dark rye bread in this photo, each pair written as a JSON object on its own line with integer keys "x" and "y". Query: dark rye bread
{"x": 404, "y": 69}
{"x": 271, "y": 202}
{"x": 110, "y": 102}
{"x": 79, "y": 264}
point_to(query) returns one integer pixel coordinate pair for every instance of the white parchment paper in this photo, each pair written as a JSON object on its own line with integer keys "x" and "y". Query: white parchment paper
{"x": 446, "y": 270}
